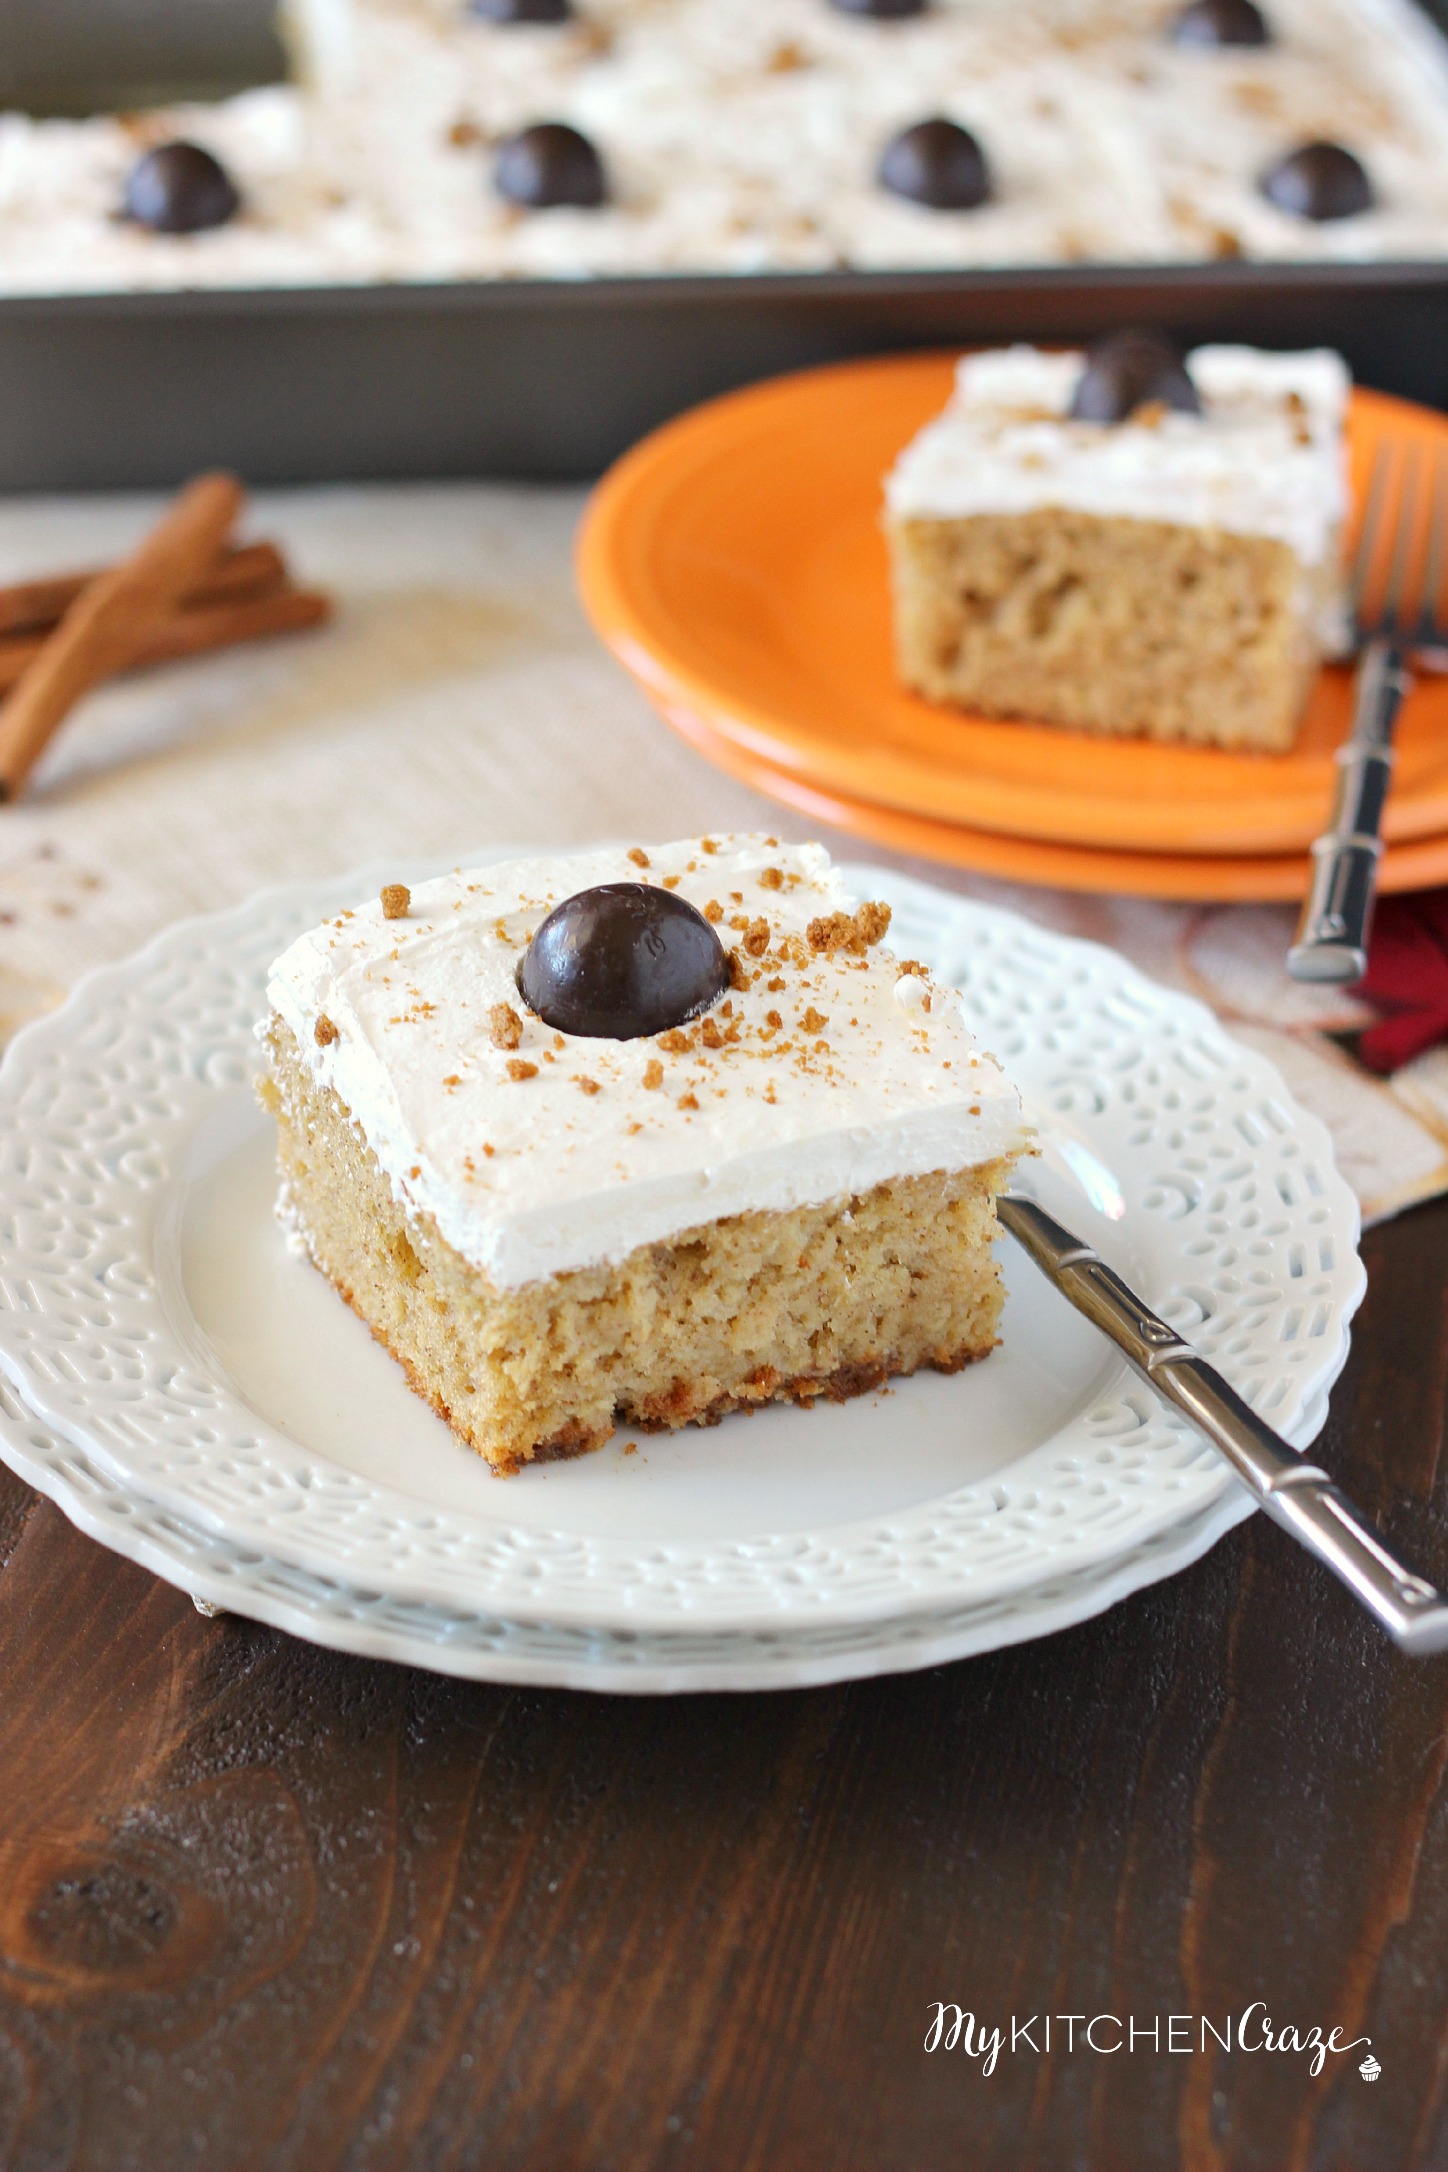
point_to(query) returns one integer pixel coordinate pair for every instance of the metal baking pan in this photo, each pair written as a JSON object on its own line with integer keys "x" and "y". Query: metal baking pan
{"x": 553, "y": 379}
{"x": 530, "y": 379}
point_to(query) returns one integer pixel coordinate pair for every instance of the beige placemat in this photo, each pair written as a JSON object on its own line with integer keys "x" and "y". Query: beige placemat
{"x": 460, "y": 700}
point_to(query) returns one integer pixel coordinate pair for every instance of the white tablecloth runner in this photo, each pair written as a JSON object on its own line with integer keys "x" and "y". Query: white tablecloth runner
{"x": 460, "y": 700}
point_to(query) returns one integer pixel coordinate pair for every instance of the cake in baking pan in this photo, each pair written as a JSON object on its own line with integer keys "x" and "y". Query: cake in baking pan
{"x": 440, "y": 140}
{"x": 1126, "y": 543}
{"x": 637, "y": 1136}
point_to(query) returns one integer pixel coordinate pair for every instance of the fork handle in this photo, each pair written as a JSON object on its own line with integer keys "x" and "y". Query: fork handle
{"x": 1295, "y": 1493}
{"x": 1332, "y": 935}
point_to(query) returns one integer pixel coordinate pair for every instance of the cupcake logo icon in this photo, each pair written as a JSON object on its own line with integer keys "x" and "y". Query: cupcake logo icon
{"x": 1370, "y": 2069}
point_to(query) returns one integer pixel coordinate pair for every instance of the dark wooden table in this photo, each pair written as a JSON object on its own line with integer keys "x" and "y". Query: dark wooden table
{"x": 263, "y": 1906}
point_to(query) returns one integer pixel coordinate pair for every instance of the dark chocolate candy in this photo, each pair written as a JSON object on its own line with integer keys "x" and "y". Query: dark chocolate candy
{"x": 522, "y": 11}
{"x": 892, "y": 11}
{"x": 1319, "y": 181}
{"x": 622, "y": 961}
{"x": 1220, "y": 22}
{"x": 178, "y": 189}
{"x": 549, "y": 164}
{"x": 1128, "y": 370}
{"x": 936, "y": 163}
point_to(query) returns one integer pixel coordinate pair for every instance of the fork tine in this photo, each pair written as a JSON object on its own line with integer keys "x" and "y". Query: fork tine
{"x": 1403, "y": 539}
{"x": 1430, "y": 618}
{"x": 1374, "y": 511}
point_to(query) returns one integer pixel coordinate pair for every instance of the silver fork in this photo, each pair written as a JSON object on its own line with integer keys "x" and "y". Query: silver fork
{"x": 1394, "y": 614}
{"x": 1295, "y": 1493}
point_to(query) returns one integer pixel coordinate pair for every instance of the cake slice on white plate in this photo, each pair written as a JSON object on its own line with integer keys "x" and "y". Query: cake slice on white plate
{"x": 637, "y": 1136}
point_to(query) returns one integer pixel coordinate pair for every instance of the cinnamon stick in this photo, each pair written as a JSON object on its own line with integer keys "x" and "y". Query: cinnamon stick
{"x": 109, "y": 622}
{"x": 33, "y": 607}
{"x": 197, "y": 629}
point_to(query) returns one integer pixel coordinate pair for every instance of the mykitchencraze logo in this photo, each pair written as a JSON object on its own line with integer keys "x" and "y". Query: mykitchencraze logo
{"x": 953, "y": 2028}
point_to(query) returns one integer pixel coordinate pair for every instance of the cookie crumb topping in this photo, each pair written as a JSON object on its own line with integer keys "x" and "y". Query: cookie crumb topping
{"x": 505, "y": 1027}
{"x": 854, "y": 932}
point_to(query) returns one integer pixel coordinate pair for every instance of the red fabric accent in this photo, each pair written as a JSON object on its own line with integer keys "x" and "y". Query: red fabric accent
{"x": 1407, "y": 979}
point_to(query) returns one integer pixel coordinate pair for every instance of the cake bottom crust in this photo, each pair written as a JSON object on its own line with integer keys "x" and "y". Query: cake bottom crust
{"x": 681, "y": 1405}
{"x": 1119, "y": 627}
{"x": 819, "y": 1303}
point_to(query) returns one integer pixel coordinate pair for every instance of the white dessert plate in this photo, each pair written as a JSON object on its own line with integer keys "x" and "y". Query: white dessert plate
{"x": 152, "y": 1317}
{"x": 374, "y": 1625}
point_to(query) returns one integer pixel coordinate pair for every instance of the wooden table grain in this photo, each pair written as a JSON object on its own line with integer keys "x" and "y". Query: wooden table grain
{"x": 263, "y": 1906}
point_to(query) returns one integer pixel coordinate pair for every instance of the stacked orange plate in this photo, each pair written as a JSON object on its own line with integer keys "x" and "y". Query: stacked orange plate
{"x": 735, "y": 563}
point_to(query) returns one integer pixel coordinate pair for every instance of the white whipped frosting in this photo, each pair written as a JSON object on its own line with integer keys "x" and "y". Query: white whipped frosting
{"x": 1265, "y": 457}
{"x": 743, "y": 136}
{"x": 530, "y": 1177}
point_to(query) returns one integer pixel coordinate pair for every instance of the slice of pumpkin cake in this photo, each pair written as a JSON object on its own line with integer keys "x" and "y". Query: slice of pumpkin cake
{"x": 1126, "y": 543}
{"x": 637, "y": 1136}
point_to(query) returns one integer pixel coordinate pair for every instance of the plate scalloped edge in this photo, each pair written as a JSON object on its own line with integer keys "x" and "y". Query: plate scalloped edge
{"x": 371, "y": 1625}
{"x": 1232, "y": 1183}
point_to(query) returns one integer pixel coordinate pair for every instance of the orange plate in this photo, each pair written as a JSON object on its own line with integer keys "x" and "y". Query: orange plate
{"x": 734, "y": 562}
{"x": 1204, "y": 878}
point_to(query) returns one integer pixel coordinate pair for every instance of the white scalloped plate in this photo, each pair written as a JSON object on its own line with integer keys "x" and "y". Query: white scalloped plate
{"x": 374, "y": 1625}
{"x": 150, "y": 1313}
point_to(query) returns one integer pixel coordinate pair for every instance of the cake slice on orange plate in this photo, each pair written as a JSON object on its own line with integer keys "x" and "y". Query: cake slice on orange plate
{"x": 1126, "y": 543}
{"x": 638, "y": 1136}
